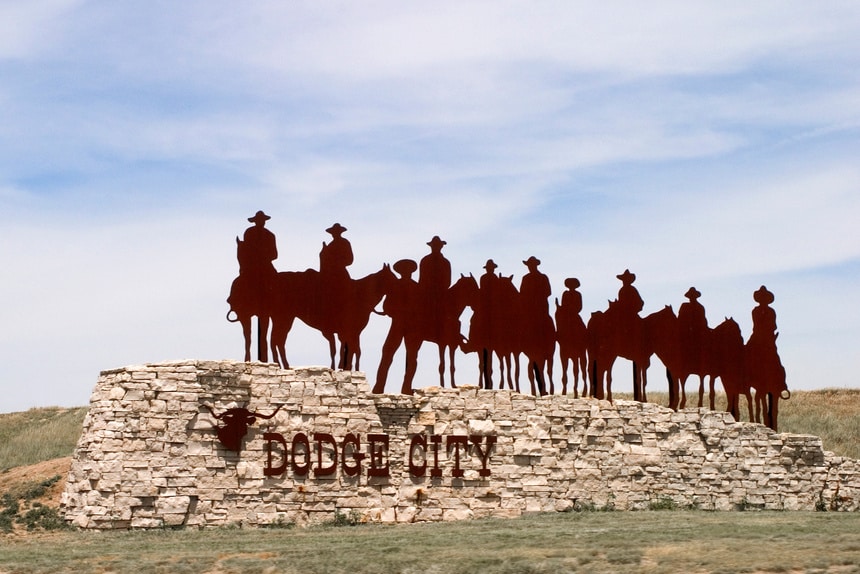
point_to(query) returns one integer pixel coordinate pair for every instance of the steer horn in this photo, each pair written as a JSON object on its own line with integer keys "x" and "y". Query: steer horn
{"x": 267, "y": 417}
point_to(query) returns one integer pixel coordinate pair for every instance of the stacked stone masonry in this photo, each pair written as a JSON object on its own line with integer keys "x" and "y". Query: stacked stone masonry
{"x": 150, "y": 455}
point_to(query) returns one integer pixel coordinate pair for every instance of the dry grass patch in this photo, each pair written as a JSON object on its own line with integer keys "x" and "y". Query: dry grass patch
{"x": 37, "y": 435}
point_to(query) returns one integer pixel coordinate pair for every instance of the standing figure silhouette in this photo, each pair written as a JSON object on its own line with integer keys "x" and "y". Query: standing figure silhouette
{"x": 401, "y": 303}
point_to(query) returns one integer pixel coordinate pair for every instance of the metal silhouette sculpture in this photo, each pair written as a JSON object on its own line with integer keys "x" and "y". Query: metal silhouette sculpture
{"x": 572, "y": 336}
{"x": 401, "y": 302}
{"x": 236, "y": 422}
{"x": 764, "y": 370}
{"x": 536, "y": 329}
{"x": 506, "y": 322}
{"x": 619, "y": 332}
{"x": 693, "y": 332}
{"x": 415, "y": 320}
{"x": 493, "y": 328}
{"x": 304, "y": 295}
{"x": 253, "y": 291}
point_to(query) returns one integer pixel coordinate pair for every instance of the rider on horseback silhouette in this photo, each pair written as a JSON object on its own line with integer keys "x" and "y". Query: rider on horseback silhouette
{"x": 260, "y": 248}
{"x": 629, "y": 301}
{"x": 253, "y": 290}
{"x": 335, "y": 257}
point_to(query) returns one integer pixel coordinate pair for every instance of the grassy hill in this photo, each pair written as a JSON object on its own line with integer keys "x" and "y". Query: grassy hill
{"x": 38, "y": 435}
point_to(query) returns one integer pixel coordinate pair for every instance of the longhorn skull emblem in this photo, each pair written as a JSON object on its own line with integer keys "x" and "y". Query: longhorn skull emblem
{"x": 236, "y": 422}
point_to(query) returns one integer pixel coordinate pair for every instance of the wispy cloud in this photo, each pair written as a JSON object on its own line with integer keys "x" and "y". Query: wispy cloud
{"x": 693, "y": 143}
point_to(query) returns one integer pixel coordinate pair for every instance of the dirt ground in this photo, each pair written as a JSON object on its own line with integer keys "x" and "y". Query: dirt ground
{"x": 36, "y": 473}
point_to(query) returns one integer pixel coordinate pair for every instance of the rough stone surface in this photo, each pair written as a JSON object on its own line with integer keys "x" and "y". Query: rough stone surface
{"x": 150, "y": 456}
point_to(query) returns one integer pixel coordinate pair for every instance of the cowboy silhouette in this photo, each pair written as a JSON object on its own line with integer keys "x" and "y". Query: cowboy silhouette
{"x": 401, "y": 304}
{"x": 629, "y": 301}
{"x": 536, "y": 327}
{"x": 434, "y": 279}
{"x": 260, "y": 248}
{"x": 335, "y": 257}
{"x": 693, "y": 332}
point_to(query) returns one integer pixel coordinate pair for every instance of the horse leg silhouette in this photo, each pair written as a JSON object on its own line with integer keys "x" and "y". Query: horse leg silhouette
{"x": 507, "y": 373}
{"x": 682, "y": 381}
{"x": 609, "y": 384}
{"x": 673, "y": 390}
{"x": 564, "y": 360}
{"x": 441, "y": 347}
{"x": 245, "y": 321}
{"x": 280, "y": 329}
{"x": 596, "y": 383}
{"x": 577, "y": 369}
{"x": 485, "y": 364}
{"x": 637, "y": 390}
{"x": 332, "y": 347}
{"x": 644, "y": 376}
{"x": 262, "y": 336}
{"x": 536, "y": 376}
{"x": 549, "y": 375}
{"x": 712, "y": 393}
{"x": 451, "y": 350}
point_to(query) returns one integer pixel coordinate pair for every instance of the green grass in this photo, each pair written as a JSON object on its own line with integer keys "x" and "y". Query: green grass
{"x": 19, "y": 507}
{"x": 679, "y": 541}
{"x": 39, "y": 434}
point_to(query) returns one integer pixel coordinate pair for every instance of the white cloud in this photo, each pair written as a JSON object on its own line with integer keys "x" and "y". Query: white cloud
{"x": 27, "y": 27}
{"x": 701, "y": 144}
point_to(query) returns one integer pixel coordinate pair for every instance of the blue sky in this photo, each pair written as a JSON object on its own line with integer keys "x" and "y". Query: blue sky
{"x": 694, "y": 143}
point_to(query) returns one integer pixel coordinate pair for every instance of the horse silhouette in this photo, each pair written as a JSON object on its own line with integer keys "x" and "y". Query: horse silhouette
{"x": 299, "y": 296}
{"x": 610, "y": 339}
{"x": 492, "y": 329}
{"x": 443, "y": 329}
{"x": 447, "y": 336}
{"x": 726, "y": 358}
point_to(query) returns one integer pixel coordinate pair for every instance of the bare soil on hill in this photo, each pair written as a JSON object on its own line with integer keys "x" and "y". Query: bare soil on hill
{"x": 41, "y": 471}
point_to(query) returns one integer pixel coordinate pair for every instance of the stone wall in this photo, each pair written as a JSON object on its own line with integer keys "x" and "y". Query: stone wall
{"x": 150, "y": 453}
